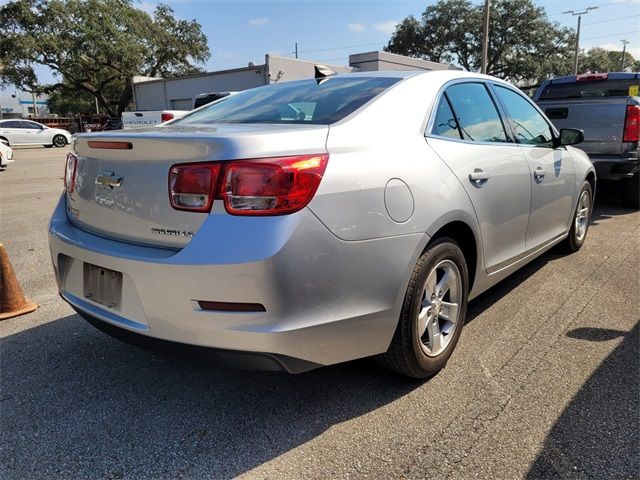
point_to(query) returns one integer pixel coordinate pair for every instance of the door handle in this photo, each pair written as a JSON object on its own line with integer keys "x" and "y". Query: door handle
{"x": 478, "y": 177}
{"x": 539, "y": 173}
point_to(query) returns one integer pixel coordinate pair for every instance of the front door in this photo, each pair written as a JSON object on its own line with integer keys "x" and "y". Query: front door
{"x": 552, "y": 171}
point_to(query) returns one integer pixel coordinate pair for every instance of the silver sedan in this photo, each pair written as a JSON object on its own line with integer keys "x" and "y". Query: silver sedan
{"x": 318, "y": 221}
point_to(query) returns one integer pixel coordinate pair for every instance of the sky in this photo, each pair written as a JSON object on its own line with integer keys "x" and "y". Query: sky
{"x": 328, "y": 31}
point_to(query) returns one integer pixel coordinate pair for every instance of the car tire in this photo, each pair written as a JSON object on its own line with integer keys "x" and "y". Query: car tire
{"x": 631, "y": 191}
{"x": 579, "y": 221}
{"x": 427, "y": 331}
{"x": 59, "y": 141}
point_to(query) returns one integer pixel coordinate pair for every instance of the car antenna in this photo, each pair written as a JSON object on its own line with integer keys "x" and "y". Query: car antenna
{"x": 322, "y": 73}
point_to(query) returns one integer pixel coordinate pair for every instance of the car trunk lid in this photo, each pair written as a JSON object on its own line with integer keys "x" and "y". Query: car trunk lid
{"x": 121, "y": 186}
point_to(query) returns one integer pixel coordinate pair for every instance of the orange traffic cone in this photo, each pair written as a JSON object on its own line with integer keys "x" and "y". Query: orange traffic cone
{"x": 12, "y": 301}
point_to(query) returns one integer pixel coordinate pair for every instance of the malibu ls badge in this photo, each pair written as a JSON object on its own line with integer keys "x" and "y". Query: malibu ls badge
{"x": 109, "y": 180}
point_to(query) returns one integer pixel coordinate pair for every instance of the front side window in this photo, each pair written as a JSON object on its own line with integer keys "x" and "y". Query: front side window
{"x": 302, "y": 102}
{"x": 529, "y": 125}
{"x": 476, "y": 113}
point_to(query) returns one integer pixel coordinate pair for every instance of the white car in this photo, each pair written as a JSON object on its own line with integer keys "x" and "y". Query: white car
{"x": 6, "y": 155}
{"x": 18, "y": 131}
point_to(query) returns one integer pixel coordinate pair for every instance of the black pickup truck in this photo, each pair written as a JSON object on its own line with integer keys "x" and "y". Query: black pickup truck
{"x": 606, "y": 106}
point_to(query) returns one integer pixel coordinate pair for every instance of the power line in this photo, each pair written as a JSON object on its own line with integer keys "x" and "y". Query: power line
{"x": 340, "y": 48}
{"x": 612, "y": 35}
{"x": 596, "y": 6}
{"x": 612, "y": 19}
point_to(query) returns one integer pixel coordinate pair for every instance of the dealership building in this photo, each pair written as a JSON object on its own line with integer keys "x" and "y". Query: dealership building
{"x": 180, "y": 93}
{"x": 19, "y": 104}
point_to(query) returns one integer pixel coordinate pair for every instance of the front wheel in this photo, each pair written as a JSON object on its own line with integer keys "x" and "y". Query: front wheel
{"x": 59, "y": 141}
{"x": 433, "y": 312}
{"x": 580, "y": 222}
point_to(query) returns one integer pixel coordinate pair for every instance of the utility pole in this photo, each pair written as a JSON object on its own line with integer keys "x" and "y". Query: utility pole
{"x": 296, "y": 50}
{"x": 97, "y": 107}
{"x": 624, "y": 49}
{"x": 485, "y": 37}
{"x": 577, "y": 51}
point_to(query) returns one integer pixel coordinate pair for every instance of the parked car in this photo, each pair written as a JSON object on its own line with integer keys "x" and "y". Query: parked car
{"x": 148, "y": 118}
{"x": 361, "y": 228}
{"x": 6, "y": 155}
{"x": 607, "y": 107}
{"x": 27, "y": 132}
{"x": 142, "y": 118}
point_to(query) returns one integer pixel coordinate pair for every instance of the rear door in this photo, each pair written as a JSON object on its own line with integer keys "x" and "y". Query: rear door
{"x": 12, "y": 130}
{"x": 552, "y": 170}
{"x": 468, "y": 134}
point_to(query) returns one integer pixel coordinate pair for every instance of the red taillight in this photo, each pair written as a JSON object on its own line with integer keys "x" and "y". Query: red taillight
{"x": 632, "y": 124}
{"x": 70, "y": 172}
{"x": 166, "y": 116}
{"x": 270, "y": 186}
{"x": 274, "y": 186}
{"x": 192, "y": 186}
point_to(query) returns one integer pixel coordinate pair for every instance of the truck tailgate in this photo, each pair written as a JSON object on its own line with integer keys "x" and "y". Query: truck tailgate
{"x": 602, "y": 121}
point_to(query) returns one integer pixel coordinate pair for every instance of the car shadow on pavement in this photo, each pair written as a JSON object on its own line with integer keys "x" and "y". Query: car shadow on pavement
{"x": 606, "y": 206}
{"x": 76, "y": 403}
{"x": 598, "y": 434}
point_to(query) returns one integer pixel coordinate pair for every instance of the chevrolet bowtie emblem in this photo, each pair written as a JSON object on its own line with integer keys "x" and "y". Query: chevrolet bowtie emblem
{"x": 109, "y": 180}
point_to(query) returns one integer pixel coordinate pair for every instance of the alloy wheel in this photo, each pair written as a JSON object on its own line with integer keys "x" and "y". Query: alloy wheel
{"x": 438, "y": 315}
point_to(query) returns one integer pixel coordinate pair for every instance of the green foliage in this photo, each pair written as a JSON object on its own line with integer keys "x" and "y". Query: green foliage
{"x": 95, "y": 47}
{"x": 601, "y": 60}
{"x": 69, "y": 103}
{"x": 524, "y": 45}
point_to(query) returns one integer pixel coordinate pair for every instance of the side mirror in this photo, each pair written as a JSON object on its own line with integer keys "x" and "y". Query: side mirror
{"x": 571, "y": 136}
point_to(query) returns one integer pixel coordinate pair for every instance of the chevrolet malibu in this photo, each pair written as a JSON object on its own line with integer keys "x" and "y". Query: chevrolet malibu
{"x": 318, "y": 221}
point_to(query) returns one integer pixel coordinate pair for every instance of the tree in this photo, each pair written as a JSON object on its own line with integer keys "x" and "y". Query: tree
{"x": 95, "y": 47}
{"x": 69, "y": 104}
{"x": 601, "y": 60}
{"x": 524, "y": 45}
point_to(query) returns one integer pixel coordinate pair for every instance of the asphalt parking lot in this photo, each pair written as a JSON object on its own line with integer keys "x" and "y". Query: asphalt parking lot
{"x": 545, "y": 382}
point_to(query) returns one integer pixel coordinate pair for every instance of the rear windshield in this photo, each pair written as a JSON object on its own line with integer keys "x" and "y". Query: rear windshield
{"x": 596, "y": 89}
{"x": 303, "y": 102}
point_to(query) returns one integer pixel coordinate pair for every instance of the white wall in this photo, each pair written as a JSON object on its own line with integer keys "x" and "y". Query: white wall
{"x": 164, "y": 94}
{"x": 283, "y": 69}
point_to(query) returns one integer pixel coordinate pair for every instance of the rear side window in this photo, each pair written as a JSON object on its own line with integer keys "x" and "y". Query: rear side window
{"x": 528, "y": 125}
{"x": 10, "y": 124}
{"x": 445, "y": 124}
{"x": 476, "y": 113}
{"x": 302, "y": 102}
{"x": 597, "y": 89}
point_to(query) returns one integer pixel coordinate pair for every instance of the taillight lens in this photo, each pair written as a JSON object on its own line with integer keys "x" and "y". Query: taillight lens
{"x": 632, "y": 124}
{"x": 192, "y": 186}
{"x": 70, "y": 172}
{"x": 165, "y": 117}
{"x": 274, "y": 186}
{"x": 270, "y": 186}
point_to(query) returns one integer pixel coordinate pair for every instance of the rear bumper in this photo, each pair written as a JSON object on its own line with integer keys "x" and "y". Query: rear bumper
{"x": 326, "y": 300}
{"x": 615, "y": 167}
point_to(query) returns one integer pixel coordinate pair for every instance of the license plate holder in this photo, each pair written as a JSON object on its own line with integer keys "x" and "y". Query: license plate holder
{"x": 102, "y": 285}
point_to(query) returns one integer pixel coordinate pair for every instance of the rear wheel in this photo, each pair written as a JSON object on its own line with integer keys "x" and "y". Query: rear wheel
{"x": 59, "y": 141}
{"x": 631, "y": 191}
{"x": 433, "y": 312}
{"x": 580, "y": 222}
